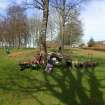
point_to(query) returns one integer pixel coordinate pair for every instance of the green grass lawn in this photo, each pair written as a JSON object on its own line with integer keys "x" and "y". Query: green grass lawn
{"x": 62, "y": 87}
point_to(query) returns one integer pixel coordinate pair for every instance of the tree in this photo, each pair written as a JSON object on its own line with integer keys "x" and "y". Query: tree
{"x": 91, "y": 42}
{"x": 35, "y": 24}
{"x": 44, "y": 6}
{"x": 64, "y": 8}
{"x": 4, "y": 31}
{"x": 1, "y": 33}
{"x": 51, "y": 29}
{"x": 73, "y": 29}
{"x": 73, "y": 33}
{"x": 18, "y": 26}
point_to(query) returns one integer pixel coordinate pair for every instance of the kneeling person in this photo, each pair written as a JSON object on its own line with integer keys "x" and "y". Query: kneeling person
{"x": 49, "y": 66}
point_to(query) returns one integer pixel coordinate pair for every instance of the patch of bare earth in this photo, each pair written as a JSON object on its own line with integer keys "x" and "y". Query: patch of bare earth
{"x": 21, "y": 54}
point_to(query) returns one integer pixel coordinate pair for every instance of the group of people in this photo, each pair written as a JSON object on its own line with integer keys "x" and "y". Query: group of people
{"x": 38, "y": 59}
{"x": 53, "y": 59}
{"x": 34, "y": 63}
{"x": 86, "y": 65}
{"x": 68, "y": 64}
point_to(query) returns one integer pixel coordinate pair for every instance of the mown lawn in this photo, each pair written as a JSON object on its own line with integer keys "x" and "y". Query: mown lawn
{"x": 62, "y": 87}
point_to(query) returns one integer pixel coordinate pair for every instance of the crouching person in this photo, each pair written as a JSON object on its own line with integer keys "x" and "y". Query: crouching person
{"x": 49, "y": 66}
{"x": 68, "y": 64}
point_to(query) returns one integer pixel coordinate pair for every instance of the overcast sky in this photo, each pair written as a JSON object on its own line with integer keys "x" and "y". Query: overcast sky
{"x": 93, "y": 18}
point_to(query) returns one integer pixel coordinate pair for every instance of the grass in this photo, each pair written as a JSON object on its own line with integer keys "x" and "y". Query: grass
{"x": 61, "y": 87}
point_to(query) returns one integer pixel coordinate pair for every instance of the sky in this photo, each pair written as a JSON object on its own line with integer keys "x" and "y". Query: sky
{"x": 93, "y": 20}
{"x": 92, "y": 16}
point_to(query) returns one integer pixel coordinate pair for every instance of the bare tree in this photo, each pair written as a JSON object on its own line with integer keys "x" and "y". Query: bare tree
{"x": 64, "y": 8}
{"x": 73, "y": 28}
{"x": 18, "y": 26}
{"x": 44, "y": 6}
{"x": 14, "y": 27}
{"x": 35, "y": 24}
{"x": 51, "y": 29}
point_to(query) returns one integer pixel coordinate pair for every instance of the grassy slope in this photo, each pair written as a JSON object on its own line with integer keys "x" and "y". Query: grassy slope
{"x": 62, "y": 87}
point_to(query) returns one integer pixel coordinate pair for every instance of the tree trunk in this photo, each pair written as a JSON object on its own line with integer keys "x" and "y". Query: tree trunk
{"x": 63, "y": 26}
{"x": 43, "y": 46}
{"x": 62, "y": 42}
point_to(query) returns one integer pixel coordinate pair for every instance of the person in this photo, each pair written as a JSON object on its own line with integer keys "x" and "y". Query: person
{"x": 68, "y": 64}
{"x": 25, "y": 65}
{"x": 68, "y": 61}
{"x": 38, "y": 59}
{"x": 49, "y": 66}
{"x": 7, "y": 50}
{"x": 59, "y": 50}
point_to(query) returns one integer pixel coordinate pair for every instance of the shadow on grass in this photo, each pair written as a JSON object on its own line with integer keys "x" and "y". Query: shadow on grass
{"x": 68, "y": 87}
{"x": 96, "y": 96}
{"x": 72, "y": 91}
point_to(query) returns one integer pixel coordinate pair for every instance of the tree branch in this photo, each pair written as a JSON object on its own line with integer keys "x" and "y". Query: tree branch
{"x": 35, "y": 4}
{"x": 39, "y": 3}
